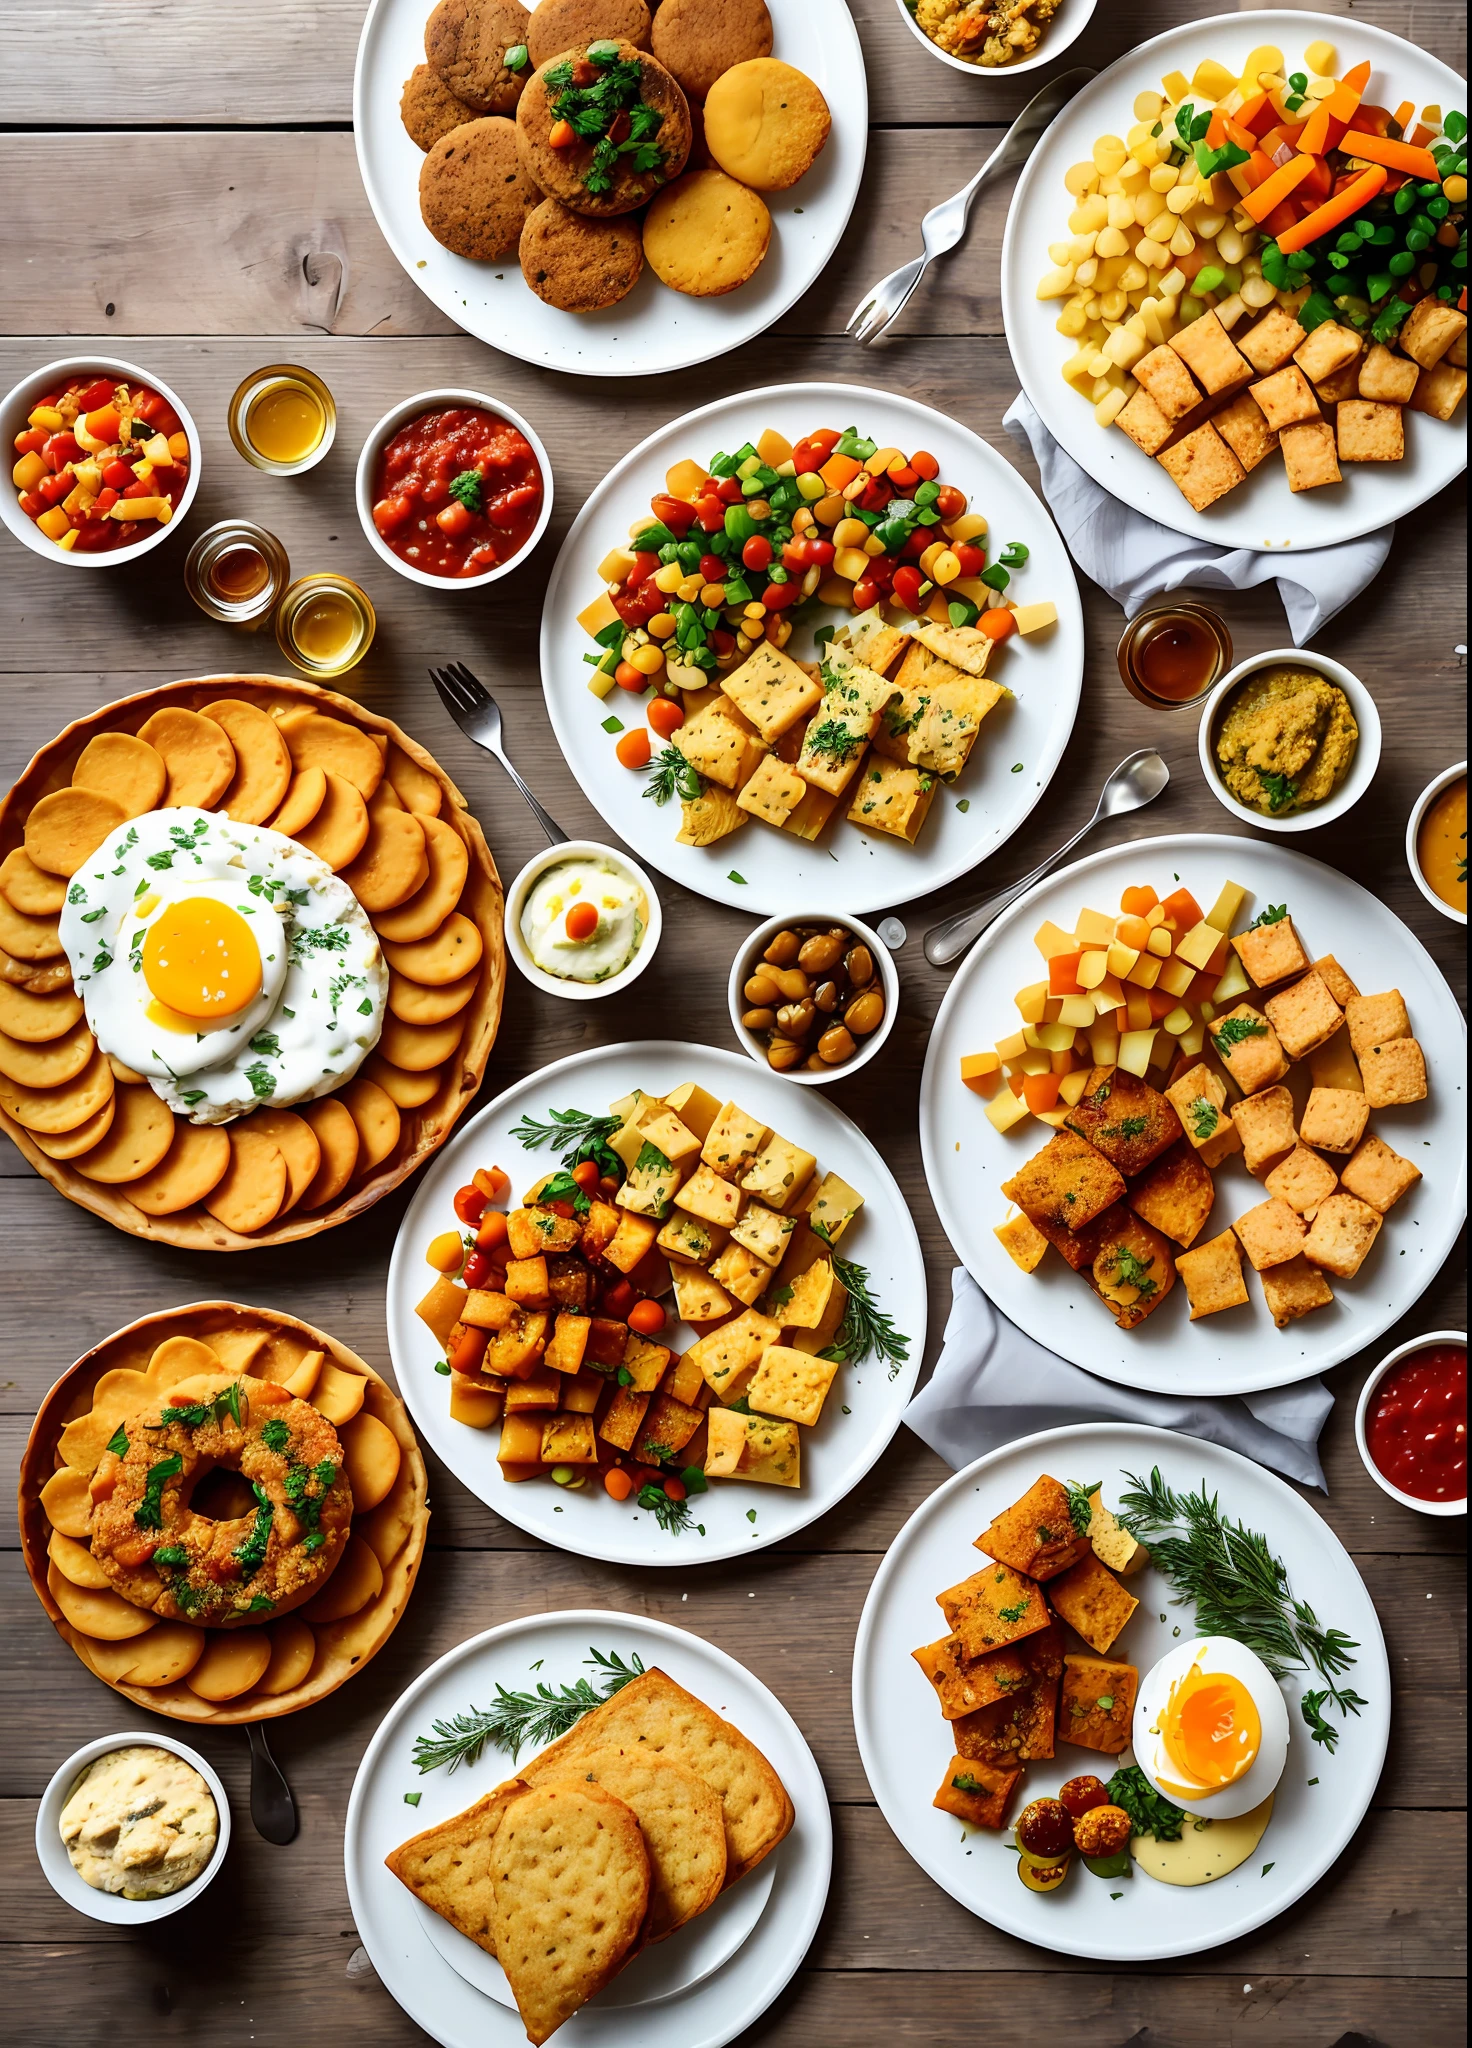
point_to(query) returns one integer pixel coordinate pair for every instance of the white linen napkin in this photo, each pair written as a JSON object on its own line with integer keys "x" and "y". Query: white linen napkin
{"x": 1135, "y": 559}
{"x": 993, "y": 1384}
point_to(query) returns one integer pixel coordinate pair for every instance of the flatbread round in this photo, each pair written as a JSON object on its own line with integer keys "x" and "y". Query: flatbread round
{"x": 107, "y": 1616}
{"x": 357, "y": 1580}
{"x": 418, "y": 790}
{"x": 298, "y": 1145}
{"x": 54, "y": 1110}
{"x": 446, "y": 955}
{"x": 65, "y": 827}
{"x": 385, "y": 798}
{"x": 393, "y": 865}
{"x": 262, "y": 763}
{"x": 337, "y": 1134}
{"x": 427, "y": 909}
{"x": 377, "y": 1119}
{"x": 40, "y": 1019}
{"x": 197, "y": 754}
{"x": 414, "y": 1002}
{"x": 405, "y": 1090}
{"x": 231, "y": 1664}
{"x": 161, "y": 1657}
{"x": 293, "y": 1646}
{"x": 66, "y": 1501}
{"x": 251, "y": 1190}
{"x": 339, "y": 831}
{"x": 71, "y": 1144}
{"x": 304, "y": 799}
{"x": 50, "y": 1062}
{"x": 31, "y": 939}
{"x": 138, "y": 1140}
{"x": 318, "y": 742}
{"x": 417, "y": 1047}
{"x": 28, "y": 888}
{"x": 120, "y": 765}
{"x": 194, "y": 1165}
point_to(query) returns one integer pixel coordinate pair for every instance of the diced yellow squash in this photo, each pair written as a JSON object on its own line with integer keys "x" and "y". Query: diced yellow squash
{"x": 1072, "y": 1086}
{"x": 1032, "y": 618}
{"x": 1104, "y": 1042}
{"x": 600, "y": 613}
{"x": 1058, "y": 1037}
{"x": 1076, "y": 1013}
{"x": 1178, "y": 1022}
{"x": 1223, "y": 913}
{"x": 1233, "y": 983}
{"x": 1092, "y": 968}
{"x": 1012, "y": 1047}
{"x": 1160, "y": 942}
{"x": 1136, "y": 1011}
{"x": 699, "y": 1298}
{"x": 616, "y": 566}
{"x": 832, "y": 1208}
{"x": 1192, "y": 1041}
{"x": 1094, "y": 928}
{"x": 1031, "y": 1001}
{"x": 980, "y": 1072}
{"x": 472, "y": 1403}
{"x": 1197, "y": 945}
{"x": 1022, "y": 1241}
{"x": 1108, "y": 995}
{"x": 1176, "y": 976}
{"x": 441, "y": 1307}
{"x": 1145, "y": 972}
{"x": 1006, "y": 1109}
{"x": 1121, "y": 958}
{"x": 695, "y": 1106}
{"x": 1135, "y": 1048}
{"x": 1051, "y": 940}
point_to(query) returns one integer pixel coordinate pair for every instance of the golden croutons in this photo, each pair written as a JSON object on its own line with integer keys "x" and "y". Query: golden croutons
{"x": 1338, "y": 983}
{"x": 1202, "y": 467}
{"x": 1387, "y": 377}
{"x": 1394, "y": 1073}
{"x": 1334, "y": 1119}
{"x": 1378, "y": 1175}
{"x": 732, "y": 1141}
{"x": 1271, "y": 1234}
{"x": 668, "y": 1427}
{"x": 1439, "y": 391}
{"x": 1367, "y": 431}
{"x": 1144, "y": 422}
{"x": 1286, "y": 398}
{"x": 1093, "y": 1602}
{"x": 1199, "y": 1099}
{"x": 1164, "y": 375}
{"x": 1098, "y": 1703}
{"x": 1067, "y": 1184}
{"x": 1247, "y": 1046}
{"x": 1303, "y": 1179}
{"x": 1295, "y": 1289}
{"x": 729, "y": 1355}
{"x": 977, "y": 1793}
{"x": 1329, "y": 349}
{"x": 1341, "y": 1235}
{"x": 806, "y": 1297}
{"x": 1176, "y": 1195}
{"x": 1134, "y": 1270}
{"x": 1209, "y": 354}
{"x": 791, "y": 1384}
{"x": 1376, "y": 1020}
{"x": 1309, "y": 455}
{"x": 1265, "y": 1125}
{"x": 771, "y": 690}
{"x": 1430, "y": 330}
{"x": 1037, "y": 1535}
{"x": 994, "y": 1607}
{"x": 1270, "y": 343}
{"x": 722, "y": 748}
{"x": 1212, "y": 1276}
{"x": 1270, "y": 951}
{"x": 633, "y": 1238}
{"x": 964, "y": 1684}
{"x": 772, "y": 792}
{"x": 1304, "y": 1016}
{"x": 1245, "y": 431}
{"x": 1022, "y": 1241}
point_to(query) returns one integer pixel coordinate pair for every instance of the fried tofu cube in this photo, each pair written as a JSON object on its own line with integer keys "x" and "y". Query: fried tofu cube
{"x": 1457, "y": 353}
{"x": 779, "y": 1173}
{"x": 1388, "y": 378}
{"x": 1430, "y": 330}
{"x": 700, "y": 1294}
{"x": 1210, "y": 355}
{"x": 1329, "y": 348}
{"x": 526, "y": 1282}
{"x": 1097, "y": 1705}
{"x": 965, "y": 1684}
{"x": 792, "y": 1384}
{"x": 581, "y": 1394}
{"x": 1126, "y": 1119}
{"x": 1067, "y": 1184}
{"x": 771, "y": 690}
{"x": 732, "y": 1142}
{"x": 1439, "y": 391}
{"x": 1394, "y": 1073}
{"x": 1245, "y": 431}
{"x": 709, "y": 1198}
{"x": 1036, "y": 1535}
{"x": 1222, "y": 1146}
{"x": 1344, "y": 384}
{"x": 1304, "y": 1016}
{"x": 994, "y": 1607}
{"x": 1309, "y": 456}
{"x": 1341, "y": 1234}
{"x": 633, "y": 1238}
{"x": 1022, "y": 1241}
{"x": 892, "y": 798}
{"x": 1199, "y": 1099}
{"x": 1176, "y": 1195}
{"x": 1271, "y": 952}
{"x": 1202, "y": 466}
{"x": 721, "y": 745}
{"x": 1286, "y": 398}
{"x": 871, "y": 639}
{"x": 1165, "y": 376}
{"x": 1295, "y": 1289}
{"x": 1093, "y": 1602}
{"x": 625, "y": 1418}
{"x": 772, "y": 791}
{"x": 1334, "y": 1119}
{"x": 1021, "y": 1729}
{"x": 728, "y": 1356}
{"x": 1247, "y": 1046}
{"x": 1303, "y": 1179}
{"x": 668, "y": 1427}
{"x": 568, "y": 1342}
{"x": 1212, "y": 1276}
{"x": 1144, "y": 422}
{"x": 1271, "y": 1234}
{"x": 1338, "y": 983}
{"x": 569, "y": 1440}
{"x": 978, "y": 1794}
{"x": 712, "y": 815}
{"x": 519, "y": 1452}
{"x": 1134, "y": 1270}
{"x": 1271, "y": 341}
{"x": 1378, "y": 1175}
{"x": 949, "y": 718}
{"x": 741, "y": 1273}
{"x": 764, "y": 1232}
{"x": 1367, "y": 431}
{"x": 532, "y": 1230}
{"x": 1377, "y": 1020}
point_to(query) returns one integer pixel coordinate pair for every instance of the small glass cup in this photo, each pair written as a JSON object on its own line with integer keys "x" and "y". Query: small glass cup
{"x": 325, "y": 625}
{"x": 283, "y": 419}
{"x": 1202, "y": 645}
{"x": 236, "y": 572}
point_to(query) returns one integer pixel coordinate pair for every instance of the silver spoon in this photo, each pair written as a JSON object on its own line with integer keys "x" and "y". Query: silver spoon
{"x": 272, "y": 1807}
{"x": 1137, "y": 781}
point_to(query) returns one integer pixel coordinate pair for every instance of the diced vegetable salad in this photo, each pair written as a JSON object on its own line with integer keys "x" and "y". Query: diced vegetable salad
{"x": 101, "y": 465}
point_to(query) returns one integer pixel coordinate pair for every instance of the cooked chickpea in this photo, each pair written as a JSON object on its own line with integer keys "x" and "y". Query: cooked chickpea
{"x": 865, "y": 1013}
{"x": 793, "y": 983}
{"x": 759, "y": 1020}
{"x": 858, "y": 964}
{"x": 782, "y": 1053}
{"x": 826, "y": 996}
{"x": 783, "y": 949}
{"x": 762, "y": 990}
{"x": 813, "y": 997}
{"x": 818, "y": 955}
{"x": 836, "y": 1045}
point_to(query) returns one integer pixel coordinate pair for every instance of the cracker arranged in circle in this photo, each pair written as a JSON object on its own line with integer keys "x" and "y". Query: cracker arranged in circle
{"x": 417, "y": 1047}
{"x": 120, "y": 765}
{"x": 54, "y": 1110}
{"x": 705, "y": 235}
{"x": 357, "y": 1580}
{"x": 428, "y": 108}
{"x": 339, "y": 831}
{"x": 162, "y": 1656}
{"x": 393, "y": 865}
{"x": 765, "y": 123}
{"x": 304, "y": 798}
{"x": 316, "y": 741}
{"x": 466, "y": 42}
{"x": 72, "y": 1144}
{"x": 30, "y": 889}
{"x": 377, "y": 1119}
{"x": 42, "y": 1019}
{"x": 447, "y": 954}
{"x": 559, "y": 25}
{"x": 67, "y": 826}
{"x": 371, "y": 1458}
{"x": 699, "y": 41}
{"x": 562, "y": 173}
{"x": 197, "y": 755}
{"x": 262, "y": 763}
{"x": 337, "y": 1135}
{"x": 578, "y": 264}
{"x": 474, "y": 190}
{"x": 75, "y": 1561}
{"x": 30, "y": 939}
{"x": 122, "y": 1072}
{"x": 418, "y": 790}
{"x": 679, "y": 1817}
{"x": 427, "y": 909}
{"x": 193, "y": 1167}
{"x": 293, "y": 1647}
{"x": 416, "y": 1003}
{"x": 104, "y": 1615}
{"x": 46, "y": 1063}
{"x": 41, "y": 977}
{"x": 66, "y": 1501}
{"x": 231, "y": 1664}
{"x": 403, "y": 1089}
{"x": 252, "y": 1188}
{"x": 137, "y": 1141}
{"x": 385, "y": 798}
{"x": 298, "y": 1145}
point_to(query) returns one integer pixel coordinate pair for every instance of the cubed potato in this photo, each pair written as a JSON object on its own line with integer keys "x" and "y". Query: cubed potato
{"x": 442, "y": 1308}
{"x": 489, "y": 1310}
{"x": 1440, "y": 391}
{"x": 581, "y": 1394}
{"x": 521, "y": 1443}
{"x": 1377, "y": 1020}
{"x": 633, "y": 1238}
{"x": 608, "y": 1340}
{"x": 599, "y": 1228}
{"x": 1222, "y": 1146}
{"x": 644, "y": 1363}
{"x": 773, "y": 1452}
{"x": 1344, "y": 384}
{"x": 474, "y": 1403}
{"x": 1247, "y": 1046}
{"x": 732, "y": 1142}
{"x": 1097, "y": 1705}
{"x": 1309, "y": 455}
{"x": 1202, "y": 467}
{"x": 695, "y": 1106}
{"x": 764, "y": 1232}
{"x": 1394, "y": 1073}
{"x": 1134, "y": 1269}
{"x": 1271, "y": 952}
{"x": 823, "y": 1334}
{"x": 833, "y": 1207}
{"x": 1387, "y": 377}
{"x": 1270, "y": 342}
{"x": 1093, "y": 1602}
{"x": 516, "y": 1350}
{"x": 567, "y": 1344}
{"x": 804, "y": 1302}
{"x": 1199, "y": 1099}
{"x": 791, "y": 1383}
{"x": 1067, "y": 1184}
{"x": 1334, "y": 1119}
{"x": 526, "y": 1282}
{"x": 1341, "y": 1234}
{"x": 1110, "y": 1541}
{"x": 1144, "y": 422}
{"x": 771, "y": 690}
{"x": 1036, "y": 1535}
{"x": 994, "y": 1607}
{"x": 687, "y": 1238}
{"x": 569, "y": 1440}
{"x": 1245, "y": 431}
{"x": 1338, "y": 983}
{"x": 1271, "y": 1234}
{"x": 779, "y": 1173}
{"x": 668, "y": 1427}
{"x": 684, "y": 1381}
{"x": 963, "y": 1684}
{"x": 701, "y": 1296}
{"x": 650, "y": 1183}
{"x": 1295, "y": 1289}
{"x": 1212, "y": 1276}
{"x": 772, "y": 792}
{"x": 709, "y": 1198}
{"x": 1378, "y": 1175}
{"x": 625, "y": 1418}
{"x": 729, "y": 1355}
{"x": 1430, "y": 330}
{"x": 725, "y": 750}
{"x": 1456, "y": 355}
{"x": 1286, "y": 398}
{"x": 568, "y": 1282}
{"x": 1209, "y": 354}
{"x": 1329, "y": 348}
{"x": 743, "y": 1275}
{"x": 1022, "y": 1241}
{"x": 1303, "y": 1179}
{"x": 976, "y": 1793}
{"x": 1165, "y": 376}
{"x": 1365, "y": 430}
{"x": 1304, "y": 1016}
{"x": 531, "y": 1231}
{"x": 1176, "y": 1195}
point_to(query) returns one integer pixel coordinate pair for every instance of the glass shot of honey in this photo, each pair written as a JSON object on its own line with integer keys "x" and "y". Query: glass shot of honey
{"x": 236, "y": 572}
{"x": 283, "y": 419}
{"x": 1174, "y": 654}
{"x": 325, "y": 625}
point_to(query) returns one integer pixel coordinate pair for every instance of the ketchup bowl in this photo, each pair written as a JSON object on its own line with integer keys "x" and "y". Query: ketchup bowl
{"x": 448, "y": 480}
{"x": 1408, "y": 1417}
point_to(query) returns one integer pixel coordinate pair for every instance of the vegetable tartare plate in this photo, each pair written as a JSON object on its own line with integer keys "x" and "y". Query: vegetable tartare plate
{"x": 761, "y": 869}
{"x": 865, "y": 1403}
{"x": 1263, "y": 514}
{"x": 1321, "y": 1797}
{"x": 664, "y": 1999}
{"x": 1238, "y": 1351}
{"x": 653, "y": 330}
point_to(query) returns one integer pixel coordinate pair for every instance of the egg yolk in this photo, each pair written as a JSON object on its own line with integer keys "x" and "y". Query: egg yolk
{"x": 1211, "y": 1728}
{"x": 201, "y": 960}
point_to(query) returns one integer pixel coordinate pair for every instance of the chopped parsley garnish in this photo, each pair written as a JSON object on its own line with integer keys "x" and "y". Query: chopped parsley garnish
{"x": 1149, "y": 1811}
{"x": 832, "y": 740}
{"x": 1274, "y": 914}
{"x": 652, "y": 1160}
{"x": 1131, "y": 1127}
{"x": 1017, "y": 1613}
{"x": 966, "y": 1783}
{"x": 194, "y": 1414}
{"x": 251, "y": 1554}
{"x": 173, "y": 1554}
{"x": 117, "y": 1443}
{"x": 1278, "y": 790}
{"x": 1134, "y": 1271}
{"x": 275, "y": 1435}
{"x": 609, "y": 113}
{"x": 261, "y": 1079}
{"x": 149, "y": 1512}
{"x": 1234, "y": 1030}
{"x": 670, "y": 774}
{"x": 1080, "y": 1504}
{"x": 319, "y": 938}
{"x": 563, "y": 1188}
{"x": 468, "y": 489}
{"x": 1204, "y": 1117}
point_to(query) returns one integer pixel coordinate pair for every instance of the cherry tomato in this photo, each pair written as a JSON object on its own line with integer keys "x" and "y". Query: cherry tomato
{"x": 1081, "y": 1795}
{"x": 618, "y": 1299}
{"x": 806, "y": 458}
{"x": 710, "y": 512}
{"x": 117, "y": 474}
{"x": 916, "y": 545}
{"x": 634, "y": 750}
{"x": 876, "y": 495}
{"x": 757, "y": 553}
{"x": 949, "y": 502}
{"x": 31, "y": 441}
{"x": 645, "y": 564}
{"x": 825, "y": 440}
{"x": 630, "y": 678}
{"x": 777, "y": 596}
{"x": 52, "y": 489}
{"x": 585, "y": 1173}
{"x": 608, "y": 1187}
{"x": 492, "y": 1181}
{"x": 728, "y": 490}
{"x": 866, "y": 593}
{"x": 903, "y": 477}
{"x": 908, "y": 583}
{"x": 581, "y": 922}
{"x": 972, "y": 559}
{"x": 492, "y": 1233}
{"x": 454, "y": 519}
{"x": 157, "y": 412}
{"x": 647, "y": 1317}
{"x": 390, "y": 513}
{"x": 820, "y": 552}
{"x": 674, "y": 1489}
{"x": 470, "y": 1204}
{"x": 33, "y": 506}
{"x": 794, "y": 554}
{"x": 617, "y": 1483}
{"x": 674, "y": 513}
{"x": 712, "y": 569}
{"x": 468, "y": 1350}
{"x": 103, "y": 503}
{"x": 477, "y": 1269}
{"x": 141, "y": 490}
{"x": 722, "y": 641}
{"x": 638, "y": 606}
{"x": 96, "y": 394}
{"x": 997, "y": 624}
{"x": 925, "y": 465}
{"x": 63, "y": 448}
{"x": 666, "y": 716}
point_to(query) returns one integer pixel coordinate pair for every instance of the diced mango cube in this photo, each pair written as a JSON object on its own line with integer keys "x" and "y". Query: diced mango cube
{"x": 1077, "y": 1012}
{"x": 1072, "y": 1086}
{"x": 1198, "y": 944}
{"x": 1092, "y": 968}
{"x": 1012, "y": 1047}
{"x": 1121, "y": 958}
{"x": 1031, "y": 1001}
{"x": 1178, "y": 1022}
{"x": 1006, "y": 1109}
{"x": 1145, "y": 972}
{"x": 1050, "y": 940}
{"x": 980, "y": 1071}
{"x": 1135, "y": 1049}
{"x": 1160, "y": 942}
{"x": 1176, "y": 976}
{"x": 1032, "y": 618}
{"x": 1094, "y": 928}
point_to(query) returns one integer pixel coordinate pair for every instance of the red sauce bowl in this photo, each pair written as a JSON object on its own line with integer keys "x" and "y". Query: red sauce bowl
{"x": 405, "y": 472}
{"x": 1411, "y": 1424}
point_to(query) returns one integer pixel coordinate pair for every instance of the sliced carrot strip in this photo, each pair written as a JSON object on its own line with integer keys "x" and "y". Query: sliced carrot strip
{"x": 1040, "y": 1091}
{"x": 1358, "y": 193}
{"x": 1275, "y": 189}
{"x": 1396, "y": 156}
{"x": 1405, "y": 113}
{"x": 1357, "y": 77}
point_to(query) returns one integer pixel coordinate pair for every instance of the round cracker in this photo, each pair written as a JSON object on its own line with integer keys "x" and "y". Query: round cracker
{"x": 54, "y": 1110}
{"x": 393, "y": 865}
{"x": 162, "y": 1657}
{"x": 446, "y": 955}
{"x": 319, "y": 742}
{"x": 371, "y": 1455}
{"x": 141, "y": 1133}
{"x": 298, "y": 1145}
{"x": 377, "y": 1118}
{"x": 120, "y": 765}
{"x": 357, "y": 1579}
{"x": 339, "y": 831}
{"x": 197, "y": 755}
{"x": 293, "y": 1646}
{"x": 67, "y": 826}
{"x": 231, "y": 1664}
{"x": 29, "y": 888}
{"x": 104, "y": 1615}
{"x": 122, "y": 1072}
{"x": 262, "y": 763}
{"x": 39, "y": 1019}
{"x": 417, "y": 1004}
{"x": 418, "y": 790}
{"x": 427, "y": 909}
{"x": 418, "y": 1047}
{"x": 41, "y": 977}
{"x": 303, "y": 801}
{"x": 405, "y": 1090}
{"x": 29, "y": 939}
{"x": 178, "y": 1359}
{"x": 337, "y": 1134}
{"x": 250, "y": 1192}
{"x": 385, "y": 798}
{"x": 193, "y": 1167}
{"x": 71, "y": 1144}
{"x": 75, "y": 1562}
{"x": 48, "y": 1063}
{"x": 66, "y": 1501}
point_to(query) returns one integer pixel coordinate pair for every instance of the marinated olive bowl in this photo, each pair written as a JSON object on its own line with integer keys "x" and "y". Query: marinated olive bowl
{"x": 749, "y": 958}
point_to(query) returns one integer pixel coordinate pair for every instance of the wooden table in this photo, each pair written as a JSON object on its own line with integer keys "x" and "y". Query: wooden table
{"x": 202, "y": 214}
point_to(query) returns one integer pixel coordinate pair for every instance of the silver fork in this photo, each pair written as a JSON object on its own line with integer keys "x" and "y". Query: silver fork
{"x": 478, "y": 716}
{"x": 944, "y": 225}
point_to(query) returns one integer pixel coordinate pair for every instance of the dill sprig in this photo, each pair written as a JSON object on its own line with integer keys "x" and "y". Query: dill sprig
{"x": 865, "y": 1327}
{"x": 670, "y": 774}
{"x": 515, "y": 1719}
{"x": 673, "y": 1516}
{"x": 1081, "y": 1504}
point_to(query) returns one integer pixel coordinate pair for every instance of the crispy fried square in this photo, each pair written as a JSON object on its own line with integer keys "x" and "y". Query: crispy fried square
{"x": 1341, "y": 1235}
{"x": 1271, "y": 952}
{"x": 1376, "y": 1020}
{"x": 1286, "y": 398}
{"x": 1011, "y": 1731}
{"x": 963, "y": 1685}
{"x": 1212, "y": 1276}
{"x": 1144, "y": 422}
{"x": 1247, "y": 1046}
{"x": 1176, "y": 1195}
{"x": 1271, "y": 1234}
{"x": 1163, "y": 374}
{"x": 1199, "y": 1099}
{"x": 1394, "y": 1073}
{"x": 1295, "y": 1289}
{"x": 1343, "y": 384}
{"x": 1365, "y": 430}
{"x": 1330, "y": 348}
{"x": 1093, "y": 1602}
{"x": 1439, "y": 391}
{"x": 1429, "y": 332}
{"x": 1378, "y": 1175}
{"x": 1309, "y": 455}
{"x": 1098, "y": 1703}
{"x": 1126, "y": 1119}
{"x": 1202, "y": 466}
{"x": 1067, "y": 1184}
{"x": 1210, "y": 355}
{"x": 1388, "y": 377}
{"x": 1245, "y": 431}
{"x": 1334, "y": 1119}
{"x": 1271, "y": 341}
{"x": 1303, "y": 1179}
{"x": 1338, "y": 983}
{"x": 1304, "y": 1016}
{"x": 1036, "y": 1535}
{"x": 994, "y": 1607}
{"x": 976, "y": 1792}
{"x": 1134, "y": 1271}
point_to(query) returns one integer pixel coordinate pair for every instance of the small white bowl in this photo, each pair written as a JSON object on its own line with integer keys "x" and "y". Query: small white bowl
{"x": 554, "y": 984}
{"x": 1361, "y": 769}
{"x": 57, "y": 1865}
{"x": 15, "y": 409}
{"x": 1067, "y": 25}
{"x": 1407, "y": 1500}
{"x": 1424, "y": 802}
{"x": 388, "y": 426}
{"x": 749, "y": 958}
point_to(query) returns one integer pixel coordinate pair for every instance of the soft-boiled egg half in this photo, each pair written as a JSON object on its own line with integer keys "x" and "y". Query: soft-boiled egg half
{"x": 1211, "y": 1728}
{"x": 223, "y": 962}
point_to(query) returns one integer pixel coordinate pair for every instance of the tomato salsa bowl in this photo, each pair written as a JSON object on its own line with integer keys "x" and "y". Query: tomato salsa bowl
{"x": 78, "y": 432}
{"x": 454, "y": 489}
{"x": 1411, "y": 1423}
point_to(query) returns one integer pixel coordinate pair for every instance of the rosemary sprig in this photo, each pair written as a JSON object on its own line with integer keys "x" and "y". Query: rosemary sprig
{"x": 865, "y": 1326}
{"x": 574, "y": 1136}
{"x": 1081, "y": 1504}
{"x": 670, "y": 774}
{"x": 517, "y": 1718}
{"x": 673, "y": 1516}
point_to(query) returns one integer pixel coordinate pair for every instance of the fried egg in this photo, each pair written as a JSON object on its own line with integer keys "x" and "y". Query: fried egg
{"x": 1211, "y": 1728}
{"x": 223, "y": 962}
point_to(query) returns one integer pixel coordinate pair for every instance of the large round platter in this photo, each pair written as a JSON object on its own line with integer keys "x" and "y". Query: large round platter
{"x": 654, "y": 330}
{"x": 274, "y": 1346}
{"x": 423, "y": 1128}
{"x": 863, "y": 1409}
{"x": 1261, "y": 514}
{"x": 787, "y": 1893}
{"x": 846, "y": 869}
{"x": 1320, "y": 1801}
{"x": 1238, "y": 1351}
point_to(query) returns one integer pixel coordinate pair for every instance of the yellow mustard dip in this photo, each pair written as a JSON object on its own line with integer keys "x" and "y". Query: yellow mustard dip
{"x": 1286, "y": 741}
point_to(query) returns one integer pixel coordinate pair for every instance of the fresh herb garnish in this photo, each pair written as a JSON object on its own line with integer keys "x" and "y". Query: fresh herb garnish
{"x": 518, "y": 1718}
{"x": 1149, "y": 1811}
{"x": 1015, "y": 1614}
{"x": 563, "y": 1188}
{"x": 251, "y": 1554}
{"x": 1131, "y": 1127}
{"x": 1134, "y": 1271}
{"x": 673, "y": 1516}
{"x": 172, "y": 1554}
{"x": 865, "y": 1327}
{"x": 195, "y": 1414}
{"x": 652, "y": 1160}
{"x": 609, "y": 113}
{"x": 1274, "y": 914}
{"x": 966, "y": 1783}
{"x": 275, "y": 1435}
{"x": 832, "y": 739}
{"x": 1278, "y": 790}
{"x": 149, "y": 1512}
{"x": 1234, "y": 1030}
{"x": 670, "y": 774}
{"x": 1312, "y": 1708}
{"x": 468, "y": 489}
{"x": 584, "y": 1136}
{"x": 261, "y": 1079}
{"x": 1080, "y": 1503}
{"x": 117, "y": 1443}
{"x": 1204, "y": 1117}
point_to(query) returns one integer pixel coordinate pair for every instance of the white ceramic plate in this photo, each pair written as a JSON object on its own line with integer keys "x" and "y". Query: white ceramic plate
{"x": 1238, "y": 1351}
{"x": 1320, "y": 1800}
{"x": 653, "y": 329}
{"x": 1261, "y": 513}
{"x": 847, "y": 870}
{"x": 776, "y": 1909}
{"x": 863, "y": 1409}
